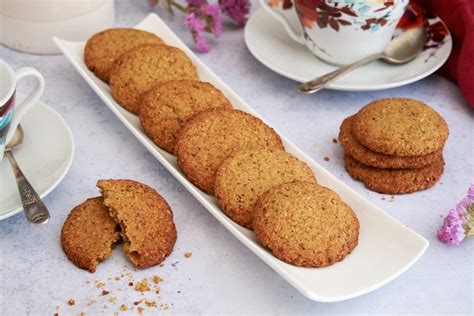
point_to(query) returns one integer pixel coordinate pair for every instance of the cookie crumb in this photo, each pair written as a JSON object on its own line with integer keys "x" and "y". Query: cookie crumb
{"x": 150, "y": 303}
{"x": 104, "y": 292}
{"x": 326, "y": 158}
{"x": 112, "y": 299}
{"x": 157, "y": 279}
{"x": 117, "y": 278}
{"x": 56, "y": 314}
{"x": 334, "y": 141}
{"x": 142, "y": 286}
{"x": 138, "y": 302}
{"x": 157, "y": 291}
{"x": 188, "y": 254}
{"x": 82, "y": 314}
{"x": 71, "y": 302}
{"x": 130, "y": 283}
{"x": 123, "y": 307}
{"x": 140, "y": 309}
{"x": 100, "y": 284}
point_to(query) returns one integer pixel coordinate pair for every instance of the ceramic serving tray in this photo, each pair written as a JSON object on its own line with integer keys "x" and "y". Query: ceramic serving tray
{"x": 386, "y": 247}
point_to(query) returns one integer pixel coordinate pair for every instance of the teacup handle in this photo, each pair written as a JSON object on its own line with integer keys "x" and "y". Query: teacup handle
{"x": 298, "y": 37}
{"x": 25, "y": 105}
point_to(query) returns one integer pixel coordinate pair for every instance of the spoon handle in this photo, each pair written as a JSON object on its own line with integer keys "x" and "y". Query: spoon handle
{"x": 35, "y": 210}
{"x": 320, "y": 82}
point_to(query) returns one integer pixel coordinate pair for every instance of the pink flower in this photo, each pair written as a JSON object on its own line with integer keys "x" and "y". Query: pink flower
{"x": 197, "y": 26}
{"x": 202, "y": 17}
{"x": 459, "y": 223}
{"x": 237, "y": 10}
{"x": 206, "y": 18}
{"x": 214, "y": 17}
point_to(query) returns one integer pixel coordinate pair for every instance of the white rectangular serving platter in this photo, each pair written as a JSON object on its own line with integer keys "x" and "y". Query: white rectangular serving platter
{"x": 386, "y": 247}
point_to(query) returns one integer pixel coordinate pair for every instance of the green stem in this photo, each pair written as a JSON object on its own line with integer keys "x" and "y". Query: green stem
{"x": 179, "y": 7}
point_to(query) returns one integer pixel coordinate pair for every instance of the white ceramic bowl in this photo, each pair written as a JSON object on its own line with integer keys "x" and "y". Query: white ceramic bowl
{"x": 29, "y": 25}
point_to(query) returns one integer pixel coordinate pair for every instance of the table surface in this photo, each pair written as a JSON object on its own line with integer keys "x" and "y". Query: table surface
{"x": 223, "y": 276}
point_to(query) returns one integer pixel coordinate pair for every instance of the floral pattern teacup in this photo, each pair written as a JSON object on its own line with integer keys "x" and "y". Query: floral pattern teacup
{"x": 340, "y": 31}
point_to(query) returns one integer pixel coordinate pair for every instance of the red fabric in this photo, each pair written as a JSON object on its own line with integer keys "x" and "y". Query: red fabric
{"x": 459, "y": 17}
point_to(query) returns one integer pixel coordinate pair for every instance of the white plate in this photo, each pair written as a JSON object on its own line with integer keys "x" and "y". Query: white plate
{"x": 386, "y": 248}
{"x": 269, "y": 43}
{"x": 45, "y": 156}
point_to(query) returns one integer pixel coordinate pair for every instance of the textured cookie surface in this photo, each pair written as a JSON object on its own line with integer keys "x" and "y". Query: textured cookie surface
{"x": 371, "y": 158}
{"x": 165, "y": 108}
{"x": 145, "y": 67}
{"x": 305, "y": 224}
{"x": 104, "y": 48}
{"x": 211, "y": 136}
{"x": 400, "y": 127}
{"x": 395, "y": 181}
{"x": 148, "y": 229}
{"x": 242, "y": 178}
{"x": 89, "y": 234}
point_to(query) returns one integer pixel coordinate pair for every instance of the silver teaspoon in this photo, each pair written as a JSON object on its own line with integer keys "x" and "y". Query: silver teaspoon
{"x": 35, "y": 210}
{"x": 400, "y": 50}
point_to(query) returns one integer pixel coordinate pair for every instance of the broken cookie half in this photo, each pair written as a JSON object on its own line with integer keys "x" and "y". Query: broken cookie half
{"x": 89, "y": 234}
{"x": 128, "y": 211}
{"x": 146, "y": 220}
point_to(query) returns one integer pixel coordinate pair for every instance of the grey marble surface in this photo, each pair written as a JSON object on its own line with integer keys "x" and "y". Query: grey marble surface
{"x": 223, "y": 276}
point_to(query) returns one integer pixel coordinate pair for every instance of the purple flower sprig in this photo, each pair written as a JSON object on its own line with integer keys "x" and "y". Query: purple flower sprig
{"x": 237, "y": 10}
{"x": 459, "y": 223}
{"x": 201, "y": 17}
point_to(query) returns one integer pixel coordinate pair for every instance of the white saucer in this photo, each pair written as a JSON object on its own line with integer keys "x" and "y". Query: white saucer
{"x": 45, "y": 156}
{"x": 268, "y": 41}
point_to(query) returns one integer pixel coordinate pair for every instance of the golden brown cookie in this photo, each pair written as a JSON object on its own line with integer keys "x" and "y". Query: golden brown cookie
{"x": 400, "y": 127}
{"x": 165, "y": 108}
{"x": 144, "y": 68}
{"x": 395, "y": 181}
{"x": 371, "y": 158}
{"x": 89, "y": 234}
{"x": 305, "y": 224}
{"x": 148, "y": 229}
{"x": 242, "y": 178}
{"x": 105, "y": 47}
{"x": 211, "y": 136}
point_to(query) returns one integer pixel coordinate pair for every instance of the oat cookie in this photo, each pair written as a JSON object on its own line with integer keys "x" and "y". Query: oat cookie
{"x": 400, "y": 127}
{"x": 305, "y": 224}
{"x": 242, "y": 178}
{"x": 105, "y": 47}
{"x": 148, "y": 229}
{"x": 211, "y": 136}
{"x": 89, "y": 234}
{"x": 395, "y": 181}
{"x": 144, "y": 68}
{"x": 371, "y": 158}
{"x": 165, "y": 108}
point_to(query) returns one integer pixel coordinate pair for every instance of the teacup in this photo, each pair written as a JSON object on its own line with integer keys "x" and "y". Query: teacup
{"x": 340, "y": 31}
{"x": 10, "y": 112}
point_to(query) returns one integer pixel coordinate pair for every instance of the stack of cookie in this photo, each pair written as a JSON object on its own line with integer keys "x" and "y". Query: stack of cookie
{"x": 128, "y": 212}
{"x": 395, "y": 145}
{"x": 225, "y": 151}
